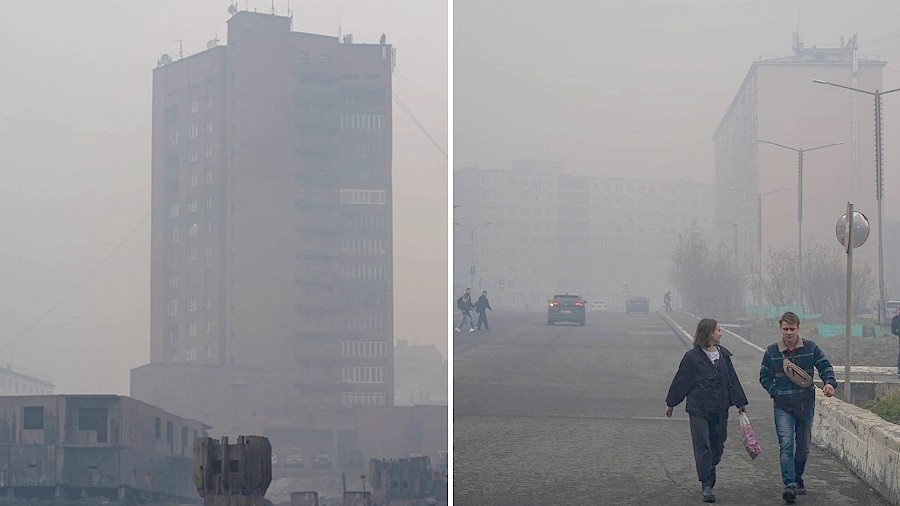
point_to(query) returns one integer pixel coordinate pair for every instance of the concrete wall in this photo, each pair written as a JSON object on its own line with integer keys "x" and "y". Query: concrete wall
{"x": 869, "y": 445}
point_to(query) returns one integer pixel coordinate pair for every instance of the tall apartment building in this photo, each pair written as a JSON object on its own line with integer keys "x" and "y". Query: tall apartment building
{"x": 552, "y": 232}
{"x": 271, "y": 225}
{"x": 779, "y": 102}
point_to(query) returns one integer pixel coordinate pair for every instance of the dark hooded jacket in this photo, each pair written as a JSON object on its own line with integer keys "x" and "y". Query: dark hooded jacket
{"x": 707, "y": 388}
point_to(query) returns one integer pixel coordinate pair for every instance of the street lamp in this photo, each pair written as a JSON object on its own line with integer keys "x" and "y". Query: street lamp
{"x": 735, "y": 225}
{"x": 800, "y": 152}
{"x": 759, "y": 230}
{"x": 472, "y": 244}
{"x": 879, "y": 182}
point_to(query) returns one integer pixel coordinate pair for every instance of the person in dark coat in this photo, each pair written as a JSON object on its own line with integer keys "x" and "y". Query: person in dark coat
{"x": 481, "y": 307}
{"x": 465, "y": 306}
{"x": 706, "y": 376}
{"x": 895, "y": 329}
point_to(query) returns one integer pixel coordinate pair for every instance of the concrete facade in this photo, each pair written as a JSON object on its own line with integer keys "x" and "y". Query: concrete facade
{"x": 778, "y": 102}
{"x": 15, "y": 380}
{"x": 552, "y": 232}
{"x": 271, "y": 233}
{"x": 68, "y": 446}
{"x": 421, "y": 376}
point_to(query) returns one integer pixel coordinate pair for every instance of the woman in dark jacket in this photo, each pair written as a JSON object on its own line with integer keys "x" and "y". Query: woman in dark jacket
{"x": 707, "y": 378}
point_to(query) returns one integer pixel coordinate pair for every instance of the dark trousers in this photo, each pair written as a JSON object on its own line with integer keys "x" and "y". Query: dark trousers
{"x": 482, "y": 320}
{"x": 708, "y": 433}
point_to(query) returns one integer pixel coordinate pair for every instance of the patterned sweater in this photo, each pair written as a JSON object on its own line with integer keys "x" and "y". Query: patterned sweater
{"x": 783, "y": 391}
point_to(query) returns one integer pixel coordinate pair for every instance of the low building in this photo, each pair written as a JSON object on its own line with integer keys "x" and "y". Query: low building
{"x": 71, "y": 446}
{"x": 16, "y": 380}
{"x": 420, "y": 375}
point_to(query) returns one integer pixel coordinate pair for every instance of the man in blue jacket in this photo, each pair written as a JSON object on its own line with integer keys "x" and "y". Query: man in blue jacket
{"x": 786, "y": 373}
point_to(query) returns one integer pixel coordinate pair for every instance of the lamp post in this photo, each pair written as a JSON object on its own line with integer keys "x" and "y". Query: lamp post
{"x": 879, "y": 183}
{"x": 472, "y": 244}
{"x": 759, "y": 231}
{"x": 735, "y": 225}
{"x": 800, "y": 152}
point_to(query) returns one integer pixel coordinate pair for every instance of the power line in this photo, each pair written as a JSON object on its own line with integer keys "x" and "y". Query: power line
{"x": 416, "y": 121}
{"x": 78, "y": 285}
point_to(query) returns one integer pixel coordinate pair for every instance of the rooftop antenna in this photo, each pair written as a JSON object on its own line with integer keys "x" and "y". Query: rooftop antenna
{"x": 273, "y": 8}
{"x": 180, "y": 49}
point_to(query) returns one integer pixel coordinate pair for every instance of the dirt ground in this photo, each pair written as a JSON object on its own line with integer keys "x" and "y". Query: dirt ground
{"x": 867, "y": 351}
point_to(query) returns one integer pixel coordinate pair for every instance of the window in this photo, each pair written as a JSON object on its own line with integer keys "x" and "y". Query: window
{"x": 157, "y": 428}
{"x": 173, "y": 138}
{"x": 173, "y": 210}
{"x": 208, "y": 330}
{"x": 191, "y": 355}
{"x": 192, "y": 329}
{"x": 209, "y": 102}
{"x": 209, "y": 152}
{"x": 193, "y": 230}
{"x": 193, "y": 181}
{"x": 33, "y": 417}
{"x": 209, "y": 127}
{"x": 173, "y": 307}
{"x": 192, "y": 306}
{"x": 192, "y": 157}
{"x": 173, "y": 282}
{"x": 193, "y": 131}
{"x": 208, "y": 304}
{"x": 170, "y": 429}
{"x": 209, "y": 176}
{"x": 195, "y": 106}
{"x": 192, "y": 207}
{"x": 377, "y": 197}
{"x": 208, "y": 251}
{"x": 93, "y": 419}
{"x": 184, "y": 439}
{"x": 192, "y": 255}
{"x": 209, "y": 202}
{"x": 173, "y": 234}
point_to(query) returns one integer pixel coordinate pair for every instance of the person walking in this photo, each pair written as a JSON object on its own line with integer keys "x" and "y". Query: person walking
{"x": 667, "y": 299}
{"x": 895, "y": 329}
{"x": 464, "y": 304}
{"x": 706, "y": 376}
{"x": 481, "y": 307}
{"x": 786, "y": 373}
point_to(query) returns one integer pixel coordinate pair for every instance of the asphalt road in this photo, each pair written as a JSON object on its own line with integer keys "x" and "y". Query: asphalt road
{"x": 570, "y": 415}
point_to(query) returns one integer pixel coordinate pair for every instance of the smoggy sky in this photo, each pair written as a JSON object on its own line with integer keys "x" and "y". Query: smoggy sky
{"x": 75, "y": 187}
{"x": 635, "y": 88}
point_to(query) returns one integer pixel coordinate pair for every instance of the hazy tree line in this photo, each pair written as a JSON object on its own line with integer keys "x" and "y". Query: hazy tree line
{"x": 709, "y": 282}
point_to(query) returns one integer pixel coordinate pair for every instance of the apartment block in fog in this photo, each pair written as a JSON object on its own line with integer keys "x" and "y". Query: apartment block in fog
{"x": 779, "y": 102}
{"x": 271, "y": 225}
{"x": 551, "y": 232}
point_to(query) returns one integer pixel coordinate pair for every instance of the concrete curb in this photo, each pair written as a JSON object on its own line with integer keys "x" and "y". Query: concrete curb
{"x": 866, "y": 443}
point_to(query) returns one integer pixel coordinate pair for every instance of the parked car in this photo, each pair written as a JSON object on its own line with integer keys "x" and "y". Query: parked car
{"x": 637, "y": 305}
{"x": 599, "y": 306}
{"x": 322, "y": 461}
{"x": 562, "y": 308}
{"x": 294, "y": 460}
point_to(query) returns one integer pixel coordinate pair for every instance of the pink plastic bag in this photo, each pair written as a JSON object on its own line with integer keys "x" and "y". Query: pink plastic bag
{"x": 751, "y": 444}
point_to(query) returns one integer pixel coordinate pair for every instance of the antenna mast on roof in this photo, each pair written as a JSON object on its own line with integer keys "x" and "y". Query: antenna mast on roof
{"x": 180, "y": 49}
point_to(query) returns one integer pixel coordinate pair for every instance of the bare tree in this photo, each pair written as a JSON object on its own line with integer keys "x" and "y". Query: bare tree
{"x": 824, "y": 280}
{"x": 707, "y": 282}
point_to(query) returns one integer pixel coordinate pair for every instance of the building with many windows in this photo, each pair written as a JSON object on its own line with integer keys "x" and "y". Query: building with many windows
{"x": 271, "y": 228}
{"x": 532, "y": 231}
{"x": 779, "y": 102}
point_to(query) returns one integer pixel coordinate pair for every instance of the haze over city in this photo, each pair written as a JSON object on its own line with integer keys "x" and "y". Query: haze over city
{"x": 75, "y": 118}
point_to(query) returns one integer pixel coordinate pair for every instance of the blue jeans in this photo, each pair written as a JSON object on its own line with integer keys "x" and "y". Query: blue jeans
{"x": 794, "y": 436}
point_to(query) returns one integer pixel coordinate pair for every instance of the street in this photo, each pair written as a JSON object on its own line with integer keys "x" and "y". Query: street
{"x": 570, "y": 415}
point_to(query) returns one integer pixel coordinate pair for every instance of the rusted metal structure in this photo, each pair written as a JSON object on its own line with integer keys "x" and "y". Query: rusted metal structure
{"x": 233, "y": 474}
{"x": 71, "y": 446}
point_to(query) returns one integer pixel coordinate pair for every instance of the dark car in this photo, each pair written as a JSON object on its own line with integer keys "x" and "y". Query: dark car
{"x": 637, "y": 305}
{"x": 565, "y": 308}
